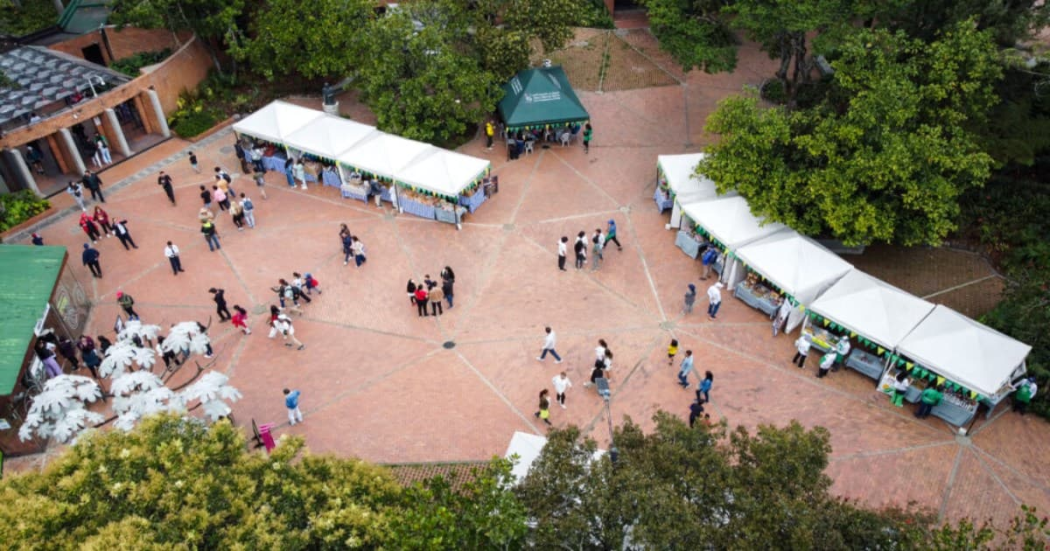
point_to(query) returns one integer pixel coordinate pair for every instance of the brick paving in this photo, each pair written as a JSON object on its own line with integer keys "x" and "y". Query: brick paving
{"x": 378, "y": 384}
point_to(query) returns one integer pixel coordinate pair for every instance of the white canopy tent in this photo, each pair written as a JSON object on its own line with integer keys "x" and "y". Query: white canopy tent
{"x": 443, "y": 172}
{"x": 729, "y": 220}
{"x": 799, "y": 266}
{"x": 686, "y": 186}
{"x": 276, "y": 121}
{"x": 385, "y": 154}
{"x": 528, "y": 447}
{"x": 329, "y": 136}
{"x": 867, "y": 306}
{"x": 966, "y": 352}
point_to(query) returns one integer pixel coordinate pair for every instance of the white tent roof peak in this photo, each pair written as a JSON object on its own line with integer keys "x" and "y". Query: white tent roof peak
{"x": 873, "y": 308}
{"x": 385, "y": 154}
{"x": 964, "y": 351}
{"x": 443, "y": 172}
{"x": 329, "y": 136}
{"x": 679, "y": 170}
{"x": 276, "y": 121}
{"x": 798, "y": 265}
{"x": 730, "y": 221}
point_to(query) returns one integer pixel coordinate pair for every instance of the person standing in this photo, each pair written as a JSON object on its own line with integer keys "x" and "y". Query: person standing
{"x": 240, "y": 319}
{"x": 102, "y": 217}
{"x": 210, "y": 235}
{"x": 489, "y": 133}
{"x": 544, "y": 411}
{"x": 219, "y": 296}
{"x": 288, "y": 176}
{"x": 206, "y": 197}
{"x": 37, "y": 239}
{"x": 120, "y": 228}
{"x": 548, "y": 346}
{"x": 411, "y": 290}
{"x": 561, "y": 384}
{"x": 193, "y": 162}
{"x": 291, "y": 401}
{"x": 220, "y": 197}
{"x": 248, "y": 208}
{"x": 68, "y": 350}
{"x": 563, "y": 248}
{"x": 358, "y": 248}
{"x": 580, "y": 248}
{"x": 237, "y": 213}
{"x": 685, "y": 369}
{"x": 672, "y": 351}
{"x": 107, "y": 158}
{"x": 75, "y": 191}
{"x": 610, "y": 235}
{"x": 446, "y": 289}
{"x": 127, "y": 303}
{"x": 588, "y": 133}
{"x": 707, "y": 261}
{"x": 94, "y": 183}
{"x": 90, "y": 259}
{"x": 929, "y": 398}
{"x": 226, "y": 179}
{"x": 260, "y": 182}
{"x": 171, "y": 251}
{"x": 300, "y": 172}
{"x": 690, "y": 299}
{"x": 802, "y": 346}
{"x": 705, "y": 387}
{"x": 900, "y": 388}
{"x": 842, "y": 349}
{"x": 826, "y": 363}
{"x": 421, "y": 300}
{"x": 436, "y": 296}
{"x": 89, "y": 227}
{"x": 782, "y": 315}
{"x": 714, "y": 299}
{"x": 164, "y": 181}
{"x": 1025, "y": 391}
{"x": 348, "y": 244}
{"x": 89, "y": 354}
{"x": 598, "y": 243}
{"x": 696, "y": 409}
{"x": 257, "y": 163}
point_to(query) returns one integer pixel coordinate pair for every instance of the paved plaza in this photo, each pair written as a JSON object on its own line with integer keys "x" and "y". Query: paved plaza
{"x": 379, "y": 383}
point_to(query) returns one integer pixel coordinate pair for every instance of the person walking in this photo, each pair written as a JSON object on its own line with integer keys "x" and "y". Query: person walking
{"x": 447, "y": 288}
{"x": 127, "y": 303}
{"x": 598, "y": 243}
{"x": 802, "y": 346}
{"x": 90, "y": 259}
{"x": 284, "y": 325}
{"x": 220, "y": 197}
{"x": 89, "y": 354}
{"x": 168, "y": 356}
{"x": 714, "y": 299}
{"x": 598, "y": 372}
{"x": 690, "y": 299}
{"x": 89, "y": 227}
{"x": 210, "y": 235}
{"x": 219, "y": 297}
{"x": 580, "y": 248}
{"x": 544, "y": 411}
{"x": 237, "y": 213}
{"x": 193, "y": 162}
{"x": 421, "y": 300}
{"x": 205, "y": 215}
{"x": 672, "y": 351}
{"x": 260, "y": 182}
{"x": 348, "y": 244}
{"x": 75, "y": 191}
{"x": 610, "y": 234}
{"x": 563, "y": 247}
{"x": 94, "y": 184}
{"x": 826, "y": 362}
{"x": 288, "y": 293}
{"x": 102, "y": 217}
{"x": 928, "y": 399}
{"x": 240, "y": 319}
{"x": 311, "y": 284}
{"x": 248, "y": 208}
{"x": 291, "y": 401}
{"x": 705, "y": 387}
{"x": 37, "y": 239}
{"x": 561, "y": 384}
{"x": 588, "y": 133}
{"x": 107, "y": 158}
{"x": 696, "y": 409}
{"x": 206, "y": 197}
{"x": 358, "y": 248}
{"x": 120, "y": 228}
{"x": 299, "y": 287}
{"x": 436, "y": 296}
{"x": 164, "y": 181}
{"x": 224, "y": 181}
{"x": 171, "y": 251}
{"x": 549, "y": 343}
{"x": 685, "y": 369}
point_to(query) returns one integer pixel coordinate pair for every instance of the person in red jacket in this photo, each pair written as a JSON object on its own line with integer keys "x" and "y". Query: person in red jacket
{"x": 421, "y": 300}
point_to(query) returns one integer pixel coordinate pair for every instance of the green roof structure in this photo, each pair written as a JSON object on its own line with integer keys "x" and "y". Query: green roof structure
{"x": 27, "y": 278}
{"x": 538, "y": 97}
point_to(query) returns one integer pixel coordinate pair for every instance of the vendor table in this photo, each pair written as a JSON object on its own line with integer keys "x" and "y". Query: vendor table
{"x": 763, "y": 304}
{"x": 663, "y": 199}
{"x": 350, "y": 190}
{"x": 821, "y": 338}
{"x": 685, "y": 241}
{"x": 330, "y": 178}
{"x": 273, "y": 163}
{"x": 449, "y": 216}
{"x": 868, "y": 364}
{"x": 417, "y": 209}
{"x": 954, "y": 411}
{"x": 472, "y": 202}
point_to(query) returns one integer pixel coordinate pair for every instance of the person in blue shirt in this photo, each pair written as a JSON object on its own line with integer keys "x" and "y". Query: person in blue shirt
{"x": 705, "y": 387}
{"x": 291, "y": 401}
{"x": 610, "y": 235}
{"x": 685, "y": 369}
{"x": 90, "y": 259}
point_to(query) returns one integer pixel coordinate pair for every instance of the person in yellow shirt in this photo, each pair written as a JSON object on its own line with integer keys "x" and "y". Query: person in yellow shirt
{"x": 489, "y": 132}
{"x": 672, "y": 351}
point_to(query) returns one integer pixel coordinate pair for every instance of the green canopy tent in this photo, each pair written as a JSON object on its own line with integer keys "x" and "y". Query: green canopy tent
{"x": 540, "y": 97}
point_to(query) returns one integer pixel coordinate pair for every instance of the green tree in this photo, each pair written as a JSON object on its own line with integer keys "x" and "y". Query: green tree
{"x": 418, "y": 76}
{"x": 884, "y": 158}
{"x": 694, "y": 32}
{"x": 549, "y": 21}
{"x": 211, "y": 20}
{"x": 313, "y": 39}
{"x": 1009, "y": 21}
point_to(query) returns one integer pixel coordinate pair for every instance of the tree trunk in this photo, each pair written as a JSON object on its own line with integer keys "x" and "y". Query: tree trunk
{"x": 801, "y": 63}
{"x": 785, "y": 57}
{"x": 57, "y": 3}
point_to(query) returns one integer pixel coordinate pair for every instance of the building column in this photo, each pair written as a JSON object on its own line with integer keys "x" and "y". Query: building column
{"x": 162, "y": 122}
{"x": 117, "y": 133}
{"x": 21, "y": 170}
{"x": 72, "y": 151}
{"x": 147, "y": 122}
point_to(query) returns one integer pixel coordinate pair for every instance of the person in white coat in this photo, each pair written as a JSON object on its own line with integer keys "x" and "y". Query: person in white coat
{"x": 842, "y": 349}
{"x": 561, "y": 384}
{"x": 548, "y": 346}
{"x": 283, "y": 324}
{"x": 714, "y": 299}
{"x": 802, "y": 345}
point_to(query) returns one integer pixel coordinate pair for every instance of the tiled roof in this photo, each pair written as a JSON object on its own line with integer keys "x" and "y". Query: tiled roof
{"x": 457, "y": 473}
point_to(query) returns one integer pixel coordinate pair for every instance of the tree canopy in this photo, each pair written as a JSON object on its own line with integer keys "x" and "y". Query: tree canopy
{"x": 210, "y": 20}
{"x": 694, "y": 32}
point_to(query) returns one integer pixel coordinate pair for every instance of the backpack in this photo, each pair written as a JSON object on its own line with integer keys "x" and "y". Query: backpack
{"x": 709, "y": 256}
{"x": 226, "y": 177}
{"x": 248, "y": 204}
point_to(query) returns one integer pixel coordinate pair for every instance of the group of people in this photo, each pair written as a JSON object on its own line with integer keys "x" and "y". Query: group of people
{"x": 430, "y": 292}
{"x": 714, "y": 299}
{"x": 522, "y": 141}
{"x": 50, "y": 346}
{"x": 831, "y": 361}
{"x": 90, "y": 224}
{"x": 596, "y": 244}
{"x": 91, "y": 182}
{"x": 603, "y": 358}
{"x": 353, "y": 247}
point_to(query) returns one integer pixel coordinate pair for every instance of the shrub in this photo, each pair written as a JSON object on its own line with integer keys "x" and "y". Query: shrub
{"x": 773, "y": 90}
{"x": 132, "y": 64}
{"x": 595, "y": 15}
{"x": 196, "y": 123}
{"x": 32, "y": 16}
{"x": 20, "y": 206}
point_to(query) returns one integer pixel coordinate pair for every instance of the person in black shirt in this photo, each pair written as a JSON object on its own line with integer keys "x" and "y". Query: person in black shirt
{"x": 90, "y": 259}
{"x": 164, "y": 181}
{"x": 218, "y": 295}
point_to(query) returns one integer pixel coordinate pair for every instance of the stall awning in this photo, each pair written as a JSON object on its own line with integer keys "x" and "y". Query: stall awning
{"x": 27, "y": 279}
{"x": 964, "y": 351}
{"x": 540, "y": 96}
{"x": 444, "y": 172}
{"x": 872, "y": 308}
{"x": 679, "y": 171}
{"x": 329, "y": 136}
{"x": 385, "y": 154}
{"x": 798, "y": 265}
{"x": 729, "y": 220}
{"x": 276, "y": 121}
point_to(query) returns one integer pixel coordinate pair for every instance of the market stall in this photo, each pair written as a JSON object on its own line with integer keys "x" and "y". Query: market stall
{"x": 379, "y": 158}
{"x": 974, "y": 363}
{"x": 542, "y": 98}
{"x": 727, "y": 224}
{"x": 449, "y": 182}
{"x": 271, "y": 126}
{"x": 862, "y": 308}
{"x": 323, "y": 139}
{"x": 678, "y": 183}
{"x": 787, "y": 266}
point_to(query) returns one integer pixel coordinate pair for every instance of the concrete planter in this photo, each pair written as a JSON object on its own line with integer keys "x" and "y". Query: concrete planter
{"x": 10, "y": 233}
{"x": 211, "y": 130}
